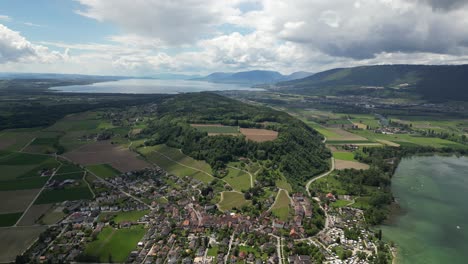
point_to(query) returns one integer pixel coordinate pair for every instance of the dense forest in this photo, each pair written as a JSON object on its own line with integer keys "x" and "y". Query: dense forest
{"x": 298, "y": 152}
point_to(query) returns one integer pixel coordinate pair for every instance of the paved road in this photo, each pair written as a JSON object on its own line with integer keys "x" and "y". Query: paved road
{"x": 320, "y": 176}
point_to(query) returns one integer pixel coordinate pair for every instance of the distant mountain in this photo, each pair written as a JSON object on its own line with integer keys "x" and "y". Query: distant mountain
{"x": 252, "y": 77}
{"x": 431, "y": 82}
{"x": 173, "y": 76}
{"x": 56, "y": 76}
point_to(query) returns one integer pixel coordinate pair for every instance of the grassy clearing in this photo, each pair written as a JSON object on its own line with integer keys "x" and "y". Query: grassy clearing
{"x": 114, "y": 244}
{"x": 232, "y": 200}
{"x": 238, "y": 179}
{"x": 281, "y": 206}
{"x": 9, "y": 219}
{"x": 103, "y": 170}
{"x": 284, "y": 184}
{"x": 131, "y": 216}
{"x": 213, "y": 251}
{"x": 344, "y": 156}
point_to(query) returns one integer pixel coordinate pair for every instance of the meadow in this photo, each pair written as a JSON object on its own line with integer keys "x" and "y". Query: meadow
{"x": 103, "y": 170}
{"x": 230, "y": 200}
{"x": 238, "y": 179}
{"x": 281, "y": 206}
{"x": 114, "y": 245}
{"x": 177, "y": 163}
{"x": 131, "y": 216}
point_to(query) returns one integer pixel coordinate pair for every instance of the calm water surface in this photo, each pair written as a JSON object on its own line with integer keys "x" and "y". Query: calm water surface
{"x": 146, "y": 86}
{"x": 433, "y": 193}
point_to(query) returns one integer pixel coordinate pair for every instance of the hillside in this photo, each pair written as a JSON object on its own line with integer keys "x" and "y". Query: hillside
{"x": 434, "y": 83}
{"x": 252, "y": 77}
{"x": 298, "y": 153}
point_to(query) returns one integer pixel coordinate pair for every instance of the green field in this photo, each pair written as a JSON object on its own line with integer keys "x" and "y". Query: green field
{"x": 131, "y": 216}
{"x": 21, "y": 165}
{"x": 281, "y": 206}
{"x": 238, "y": 179}
{"x": 69, "y": 176}
{"x": 322, "y": 130}
{"x": 176, "y": 163}
{"x": 114, "y": 245}
{"x": 344, "y": 156}
{"x": 232, "y": 200}
{"x": 9, "y": 219}
{"x": 218, "y": 129}
{"x": 67, "y": 168}
{"x": 213, "y": 251}
{"x": 23, "y": 184}
{"x": 407, "y": 139}
{"x": 67, "y": 194}
{"x": 103, "y": 170}
{"x": 283, "y": 184}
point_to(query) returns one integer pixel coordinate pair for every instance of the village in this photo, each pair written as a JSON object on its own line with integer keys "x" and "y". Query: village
{"x": 175, "y": 227}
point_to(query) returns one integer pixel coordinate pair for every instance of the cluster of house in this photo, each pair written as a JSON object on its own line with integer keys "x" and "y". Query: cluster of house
{"x": 390, "y": 130}
{"x": 341, "y": 221}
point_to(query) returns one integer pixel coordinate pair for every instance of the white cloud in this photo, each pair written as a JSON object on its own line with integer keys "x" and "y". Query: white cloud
{"x": 15, "y": 48}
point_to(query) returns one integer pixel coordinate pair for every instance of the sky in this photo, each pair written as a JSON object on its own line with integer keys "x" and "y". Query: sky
{"x": 148, "y": 37}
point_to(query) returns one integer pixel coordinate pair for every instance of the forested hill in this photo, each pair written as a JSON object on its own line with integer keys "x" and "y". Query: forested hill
{"x": 430, "y": 82}
{"x": 298, "y": 153}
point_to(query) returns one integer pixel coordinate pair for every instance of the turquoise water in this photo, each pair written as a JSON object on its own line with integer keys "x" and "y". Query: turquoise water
{"x": 433, "y": 193}
{"x": 149, "y": 86}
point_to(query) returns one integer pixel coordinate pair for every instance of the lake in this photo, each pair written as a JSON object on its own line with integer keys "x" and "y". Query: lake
{"x": 433, "y": 193}
{"x": 150, "y": 86}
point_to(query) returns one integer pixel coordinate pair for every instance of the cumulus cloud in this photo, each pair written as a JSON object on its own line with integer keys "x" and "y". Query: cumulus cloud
{"x": 362, "y": 29}
{"x": 15, "y": 48}
{"x": 173, "y": 22}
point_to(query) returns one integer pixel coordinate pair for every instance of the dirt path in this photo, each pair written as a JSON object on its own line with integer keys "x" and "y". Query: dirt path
{"x": 27, "y": 145}
{"x": 89, "y": 186}
{"x": 37, "y": 195}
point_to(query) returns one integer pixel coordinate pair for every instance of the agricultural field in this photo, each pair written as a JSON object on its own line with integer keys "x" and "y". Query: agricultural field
{"x": 230, "y": 200}
{"x": 15, "y": 240}
{"x": 114, "y": 245}
{"x": 259, "y": 135}
{"x": 119, "y": 217}
{"x": 52, "y": 216}
{"x": 339, "y": 155}
{"x": 103, "y": 170}
{"x": 281, "y": 206}
{"x": 9, "y": 219}
{"x": 34, "y": 213}
{"x": 407, "y": 139}
{"x": 79, "y": 191}
{"x": 15, "y": 140}
{"x": 238, "y": 179}
{"x": 177, "y": 163}
{"x": 24, "y": 165}
{"x": 348, "y": 164}
{"x": 103, "y": 152}
{"x": 16, "y": 201}
{"x": 217, "y": 129}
